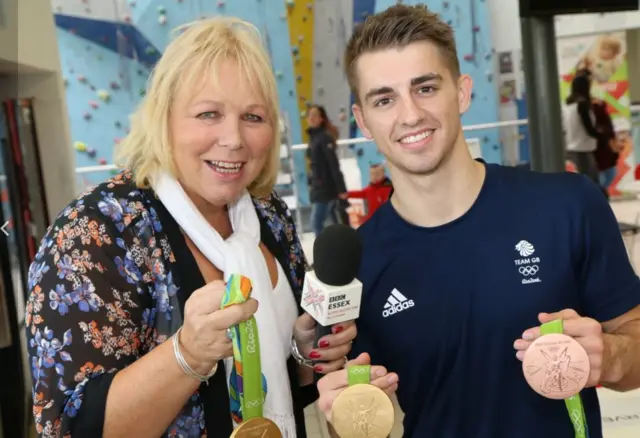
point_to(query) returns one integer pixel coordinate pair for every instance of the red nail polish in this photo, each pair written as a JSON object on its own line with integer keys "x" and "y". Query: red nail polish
{"x": 314, "y": 355}
{"x": 317, "y": 369}
{"x": 338, "y": 329}
{"x": 323, "y": 344}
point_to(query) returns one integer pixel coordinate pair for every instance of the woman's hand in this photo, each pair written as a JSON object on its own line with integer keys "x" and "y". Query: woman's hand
{"x": 332, "y": 349}
{"x": 331, "y": 385}
{"x": 204, "y": 338}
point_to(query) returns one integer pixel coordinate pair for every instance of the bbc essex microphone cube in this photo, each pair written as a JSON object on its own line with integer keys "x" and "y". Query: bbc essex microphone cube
{"x": 330, "y": 305}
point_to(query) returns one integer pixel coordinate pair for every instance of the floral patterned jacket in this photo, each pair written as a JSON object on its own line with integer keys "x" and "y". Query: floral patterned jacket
{"x": 106, "y": 288}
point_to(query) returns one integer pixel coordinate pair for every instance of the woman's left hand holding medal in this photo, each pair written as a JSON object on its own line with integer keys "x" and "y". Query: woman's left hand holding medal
{"x": 331, "y": 350}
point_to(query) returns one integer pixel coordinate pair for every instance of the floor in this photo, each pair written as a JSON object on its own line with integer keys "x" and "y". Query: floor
{"x": 620, "y": 411}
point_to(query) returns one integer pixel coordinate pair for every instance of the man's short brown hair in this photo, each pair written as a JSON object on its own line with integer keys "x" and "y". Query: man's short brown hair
{"x": 399, "y": 26}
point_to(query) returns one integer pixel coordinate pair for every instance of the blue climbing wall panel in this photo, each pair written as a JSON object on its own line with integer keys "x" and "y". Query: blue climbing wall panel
{"x": 102, "y": 89}
{"x": 470, "y": 20}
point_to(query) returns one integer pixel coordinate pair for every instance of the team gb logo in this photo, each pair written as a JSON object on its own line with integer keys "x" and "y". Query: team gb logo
{"x": 525, "y": 248}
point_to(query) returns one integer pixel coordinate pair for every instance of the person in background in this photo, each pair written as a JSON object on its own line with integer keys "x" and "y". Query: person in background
{"x": 581, "y": 135}
{"x": 326, "y": 179}
{"x": 376, "y": 193}
{"x": 608, "y": 149}
{"x": 126, "y": 335}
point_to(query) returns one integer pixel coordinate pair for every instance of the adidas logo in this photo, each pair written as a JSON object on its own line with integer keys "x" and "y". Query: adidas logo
{"x": 396, "y": 303}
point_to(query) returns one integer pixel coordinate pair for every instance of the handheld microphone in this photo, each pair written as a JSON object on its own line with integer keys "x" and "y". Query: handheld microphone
{"x": 331, "y": 293}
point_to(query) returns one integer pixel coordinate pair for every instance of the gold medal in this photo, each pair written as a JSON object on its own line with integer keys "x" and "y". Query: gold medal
{"x": 257, "y": 428}
{"x": 362, "y": 410}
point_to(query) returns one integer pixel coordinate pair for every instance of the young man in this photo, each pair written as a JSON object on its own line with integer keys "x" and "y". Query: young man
{"x": 466, "y": 261}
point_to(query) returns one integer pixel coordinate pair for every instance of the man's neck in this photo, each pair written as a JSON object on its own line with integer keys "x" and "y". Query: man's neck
{"x": 441, "y": 197}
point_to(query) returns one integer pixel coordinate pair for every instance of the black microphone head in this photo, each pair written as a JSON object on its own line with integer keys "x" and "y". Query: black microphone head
{"x": 337, "y": 252}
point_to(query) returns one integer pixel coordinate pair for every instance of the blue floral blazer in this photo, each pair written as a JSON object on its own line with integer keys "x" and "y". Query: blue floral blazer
{"x": 108, "y": 284}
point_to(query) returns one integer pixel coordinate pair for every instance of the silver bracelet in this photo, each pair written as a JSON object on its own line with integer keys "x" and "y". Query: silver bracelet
{"x": 185, "y": 366}
{"x": 295, "y": 352}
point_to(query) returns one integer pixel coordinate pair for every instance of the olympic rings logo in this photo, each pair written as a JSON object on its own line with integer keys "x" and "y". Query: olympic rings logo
{"x": 358, "y": 370}
{"x": 253, "y": 403}
{"x": 528, "y": 270}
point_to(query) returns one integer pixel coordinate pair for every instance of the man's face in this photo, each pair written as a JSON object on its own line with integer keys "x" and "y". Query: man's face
{"x": 411, "y": 105}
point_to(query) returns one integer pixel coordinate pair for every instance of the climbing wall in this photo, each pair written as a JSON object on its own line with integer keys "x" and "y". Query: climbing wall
{"x": 300, "y": 15}
{"x": 332, "y": 28}
{"x": 470, "y": 20}
{"x": 98, "y": 99}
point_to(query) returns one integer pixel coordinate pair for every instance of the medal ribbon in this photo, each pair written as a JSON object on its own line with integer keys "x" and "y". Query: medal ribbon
{"x": 574, "y": 404}
{"x": 247, "y": 385}
{"x": 359, "y": 374}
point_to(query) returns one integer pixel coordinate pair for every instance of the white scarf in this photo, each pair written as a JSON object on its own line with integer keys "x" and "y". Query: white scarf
{"x": 240, "y": 254}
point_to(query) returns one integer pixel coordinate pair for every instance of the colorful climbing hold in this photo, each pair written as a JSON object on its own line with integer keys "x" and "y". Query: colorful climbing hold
{"x": 80, "y": 146}
{"x": 104, "y": 96}
{"x": 87, "y": 116}
{"x": 93, "y": 104}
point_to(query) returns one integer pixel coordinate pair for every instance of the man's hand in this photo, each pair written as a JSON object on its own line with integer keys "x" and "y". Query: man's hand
{"x": 587, "y": 331}
{"x": 331, "y": 385}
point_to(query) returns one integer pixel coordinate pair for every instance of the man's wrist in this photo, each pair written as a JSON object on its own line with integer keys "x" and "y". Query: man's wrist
{"x": 616, "y": 347}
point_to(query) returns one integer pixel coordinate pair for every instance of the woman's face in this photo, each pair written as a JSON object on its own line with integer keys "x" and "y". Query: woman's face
{"x": 314, "y": 118}
{"x": 221, "y": 137}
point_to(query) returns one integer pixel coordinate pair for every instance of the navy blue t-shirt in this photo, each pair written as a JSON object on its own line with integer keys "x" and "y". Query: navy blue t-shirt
{"x": 443, "y": 306}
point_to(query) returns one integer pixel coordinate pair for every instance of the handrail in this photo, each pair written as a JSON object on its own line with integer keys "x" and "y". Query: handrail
{"x": 350, "y": 141}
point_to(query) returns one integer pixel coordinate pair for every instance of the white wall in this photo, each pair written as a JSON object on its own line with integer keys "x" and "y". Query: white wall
{"x": 29, "y": 45}
{"x": 505, "y": 24}
{"x": 26, "y": 27}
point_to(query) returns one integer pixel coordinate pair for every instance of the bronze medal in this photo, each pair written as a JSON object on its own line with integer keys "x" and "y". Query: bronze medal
{"x": 363, "y": 411}
{"x": 257, "y": 428}
{"x": 556, "y": 366}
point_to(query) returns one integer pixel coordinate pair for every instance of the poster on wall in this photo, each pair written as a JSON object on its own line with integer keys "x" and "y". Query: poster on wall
{"x": 605, "y": 55}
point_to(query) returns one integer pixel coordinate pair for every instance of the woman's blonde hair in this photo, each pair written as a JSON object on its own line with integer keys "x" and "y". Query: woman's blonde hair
{"x": 197, "y": 52}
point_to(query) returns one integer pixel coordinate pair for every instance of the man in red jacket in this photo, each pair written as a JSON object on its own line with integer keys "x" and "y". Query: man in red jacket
{"x": 376, "y": 193}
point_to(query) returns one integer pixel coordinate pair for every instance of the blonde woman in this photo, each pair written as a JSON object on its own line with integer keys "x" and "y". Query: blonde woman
{"x": 126, "y": 334}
